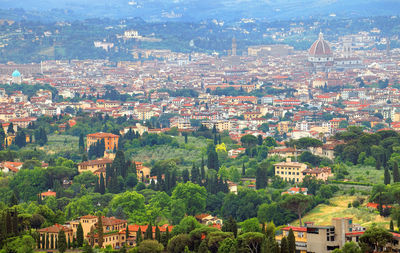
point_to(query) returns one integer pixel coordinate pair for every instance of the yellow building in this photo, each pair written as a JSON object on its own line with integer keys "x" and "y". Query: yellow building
{"x": 300, "y": 235}
{"x": 290, "y": 171}
{"x": 52, "y": 234}
{"x": 220, "y": 125}
{"x": 110, "y": 140}
{"x": 252, "y": 115}
{"x": 283, "y": 127}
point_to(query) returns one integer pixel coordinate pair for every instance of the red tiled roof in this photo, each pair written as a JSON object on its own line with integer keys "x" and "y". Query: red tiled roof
{"x": 298, "y": 229}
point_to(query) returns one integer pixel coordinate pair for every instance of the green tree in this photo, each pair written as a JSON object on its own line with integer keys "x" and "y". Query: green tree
{"x": 250, "y": 225}
{"x": 248, "y": 141}
{"x": 228, "y": 245}
{"x": 62, "y": 242}
{"x": 349, "y": 247}
{"x": 126, "y": 233}
{"x": 386, "y": 179}
{"x": 178, "y": 243}
{"x": 132, "y": 205}
{"x": 291, "y": 242}
{"x": 148, "y": 235}
{"x": 192, "y": 195}
{"x": 391, "y": 225}
{"x": 138, "y": 236}
{"x": 79, "y": 235}
{"x": 396, "y": 175}
{"x": 250, "y": 242}
{"x": 150, "y": 246}
{"x": 100, "y": 233}
{"x": 22, "y": 244}
{"x": 284, "y": 245}
{"x": 261, "y": 175}
{"x": 10, "y": 129}
{"x": 297, "y": 203}
{"x": 230, "y": 225}
{"x": 375, "y": 239}
{"x": 81, "y": 143}
{"x": 102, "y": 187}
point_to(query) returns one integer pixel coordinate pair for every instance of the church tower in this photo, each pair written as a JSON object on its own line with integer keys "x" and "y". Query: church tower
{"x": 234, "y": 46}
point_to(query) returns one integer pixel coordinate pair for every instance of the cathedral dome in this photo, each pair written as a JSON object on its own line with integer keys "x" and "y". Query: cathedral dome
{"x": 320, "y": 47}
{"x": 16, "y": 73}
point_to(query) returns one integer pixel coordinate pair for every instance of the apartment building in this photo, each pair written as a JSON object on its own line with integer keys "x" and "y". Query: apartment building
{"x": 290, "y": 171}
{"x": 110, "y": 140}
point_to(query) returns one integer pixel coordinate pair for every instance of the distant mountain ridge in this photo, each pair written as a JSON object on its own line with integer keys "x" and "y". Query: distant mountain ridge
{"x": 196, "y": 10}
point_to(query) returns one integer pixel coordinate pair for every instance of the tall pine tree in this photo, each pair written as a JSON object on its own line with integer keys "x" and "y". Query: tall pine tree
{"x": 102, "y": 187}
{"x": 79, "y": 235}
{"x": 81, "y": 143}
{"x": 100, "y": 233}
{"x": 62, "y": 242}
{"x": 396, "y": 175}
{"x": 291, "y": 241}
{"x": 386, "y": 179}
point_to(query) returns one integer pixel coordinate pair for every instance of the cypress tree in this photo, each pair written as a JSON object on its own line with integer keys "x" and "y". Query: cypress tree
{"x": 396, "y": 175}
{"x": 261, "y": 177}
{"x": 215, "y": 139}
{"x": 158, "y": 234}
{"x": 202, "y": 169}
{"x": 398, "y": 222}
{"x": 47, "y": 240}
{"x": 284, "y": 245}
{"x": 100, "y": 231}
{"x": 119, "y": 164}
{"x": 102, "y": 187}
{"x": 291, "y": 242}
{"x": 149, "y": 232}
{"x": 38, "y": 242}
{"x": 185, "y": 175}
{"x": 62, "y": 242}
{"x": 391, "y": 225}
{"x": 386, "y": 179}
{"x": 186, "y": 138}
{"x": 52, "y": 241}
{"x": 259, "y": 140}
{"x": 97, "y": 186}
{"x": 43, "y": 241}
{"x": 79, "y": 235}
{"x": 138, "y": 236}
{"x": 126, "y": 233}
{"x": 195, "y": 174}
{"x": 69, "y": 243}
{"x": 74, "y": 243}
{"x": 378, "y": 164}
{"x": 10, "y": 129}
{"x": 173, "y": 179}
{"x": 81, "y": 143}
{"x": 230, "y": 225}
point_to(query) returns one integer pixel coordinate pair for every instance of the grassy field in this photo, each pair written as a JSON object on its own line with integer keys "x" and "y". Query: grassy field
{"x": 323, "y": 214}
{"x": 57, "y": 143}
{"x": 365, "y": 174}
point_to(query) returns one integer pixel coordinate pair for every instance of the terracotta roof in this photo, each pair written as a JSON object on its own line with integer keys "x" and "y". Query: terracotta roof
{"x": 298, "y": 229}
{"x": 96, "y": 162}
{"x": 55, "y": 229}
{"x": 103, "y": 135}
{"x": 48, "y": 193}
